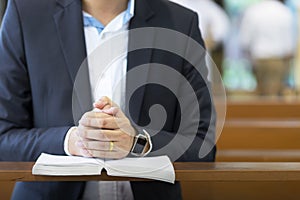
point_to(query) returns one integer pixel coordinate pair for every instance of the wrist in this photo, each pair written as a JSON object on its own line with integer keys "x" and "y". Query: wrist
{"x": 142, "y": 144}
{"x": 71, "y": 148}
{"x": 148, "y": 147}
{"x": 66, "y": 141}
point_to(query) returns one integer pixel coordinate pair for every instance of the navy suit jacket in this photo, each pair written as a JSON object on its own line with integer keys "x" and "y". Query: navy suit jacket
{"x": 42, "y": 46}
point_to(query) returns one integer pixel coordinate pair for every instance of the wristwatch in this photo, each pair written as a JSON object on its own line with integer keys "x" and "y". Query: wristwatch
{"x": 140, "y": 144}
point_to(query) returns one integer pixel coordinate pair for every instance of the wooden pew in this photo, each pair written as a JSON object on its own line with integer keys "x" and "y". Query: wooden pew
{"x": 192, "y": 190}
{"x": 254, "y": 131}
{"x": 261, "y": 131}
{"x": 263, "y": 109}
{"x": 209, "y": 181}
{"x": 185, "y": 171}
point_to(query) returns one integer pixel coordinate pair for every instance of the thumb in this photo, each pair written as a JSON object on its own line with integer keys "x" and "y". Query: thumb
{"x": 111, "y": 111}
{"x": 103, "y": 103}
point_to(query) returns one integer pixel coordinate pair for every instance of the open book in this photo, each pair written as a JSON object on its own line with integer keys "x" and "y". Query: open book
{"x": 157, "y": 168}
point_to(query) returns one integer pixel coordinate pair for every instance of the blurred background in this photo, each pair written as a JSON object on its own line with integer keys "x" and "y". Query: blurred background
{"x": 254, "y": 43}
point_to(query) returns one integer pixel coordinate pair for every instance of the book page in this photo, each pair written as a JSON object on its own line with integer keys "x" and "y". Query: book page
{"x": 67, "y": 165}
{"x": 158, "y": 168}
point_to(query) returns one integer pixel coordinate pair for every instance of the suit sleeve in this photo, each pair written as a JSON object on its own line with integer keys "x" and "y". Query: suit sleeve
{"x": 204, "y": 138}
{"x": 19, "y": 139}
{"x": 204, "y": 141}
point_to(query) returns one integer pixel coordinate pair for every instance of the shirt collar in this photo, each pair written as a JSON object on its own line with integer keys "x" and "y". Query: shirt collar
{"x": 90, "y": 21}
{"x": 129, "y": 13}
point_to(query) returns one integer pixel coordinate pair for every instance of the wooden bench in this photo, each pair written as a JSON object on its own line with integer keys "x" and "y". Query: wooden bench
{"x": 209, "y": 181}
{"x": 261, "y": 131}
{"x": 254, "y": 131}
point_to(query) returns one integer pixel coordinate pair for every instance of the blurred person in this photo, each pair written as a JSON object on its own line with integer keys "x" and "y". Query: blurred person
{"x": 266, "y": 34}
{"x": 238, "y": 74}
{"x": 220, "y": 3}
{"x": 214, "y": 24}
{"x": 294, "y": 5}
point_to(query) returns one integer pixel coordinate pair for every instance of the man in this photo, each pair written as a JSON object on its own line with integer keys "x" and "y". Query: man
{"x": 43, "y": 44}
{"x": 267, "y": 34}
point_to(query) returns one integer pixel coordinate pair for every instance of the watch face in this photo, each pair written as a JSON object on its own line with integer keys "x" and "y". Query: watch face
{"x": 141, "y": 141}
{"x": 140, "y": 145}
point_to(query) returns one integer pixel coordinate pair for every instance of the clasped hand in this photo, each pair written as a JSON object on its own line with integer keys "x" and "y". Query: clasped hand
{"x": 105, "y": 133}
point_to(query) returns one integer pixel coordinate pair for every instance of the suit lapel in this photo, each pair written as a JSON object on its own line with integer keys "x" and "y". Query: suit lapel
{"x": 68, "y": 19}
{"x": 142, "y": 15}
{"x": 69, "y": 24}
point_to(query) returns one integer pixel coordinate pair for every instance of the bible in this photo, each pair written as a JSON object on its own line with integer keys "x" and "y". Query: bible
{"x": 156, "y": 168}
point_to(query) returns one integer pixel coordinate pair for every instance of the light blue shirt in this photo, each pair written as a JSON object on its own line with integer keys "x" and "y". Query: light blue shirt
{"x": 90, "y": 21}
{"x": 95, "y": 34}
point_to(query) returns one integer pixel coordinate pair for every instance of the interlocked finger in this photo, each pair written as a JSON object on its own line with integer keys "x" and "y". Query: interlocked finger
{"x": 101, "y": 135}
{"x": 101, "y": 123}
{"x": 95, "y": 145}
{"x": 108, "y": 154}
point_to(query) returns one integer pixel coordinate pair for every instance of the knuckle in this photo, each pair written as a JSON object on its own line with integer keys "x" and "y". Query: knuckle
{"x": 85, "y": 145}
{"x": 101, "y": 145}
{"x": 107, "y": 145}
{"x": 84, "y": 121}
{"x": 80, "y": 130}
{"x": 100, "y": 136}
{"x": 87, "y": 122}
{"x": 105, "y": 137}
{"x": 94, "y": 114}
{"x": 102, "y": 122}
{"x": 84, "y": 133}
{"x": 85, "y": 115}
